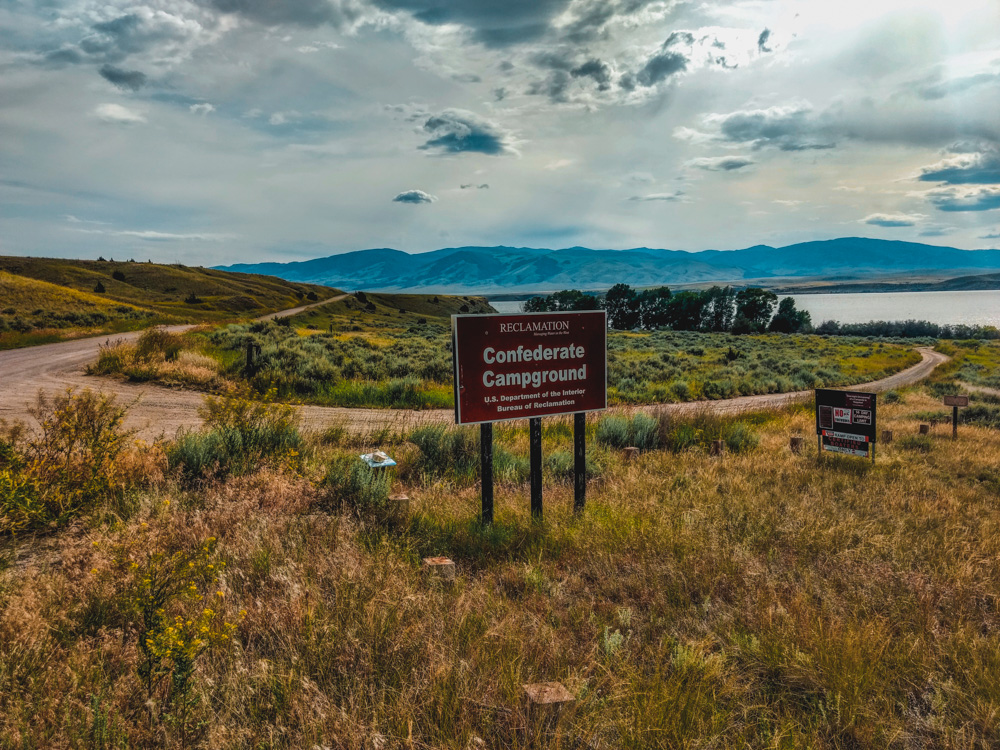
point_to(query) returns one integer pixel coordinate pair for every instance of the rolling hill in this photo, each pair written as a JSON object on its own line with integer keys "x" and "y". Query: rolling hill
{"x": 484, "y": 269}
{"x": 48, "y": 299}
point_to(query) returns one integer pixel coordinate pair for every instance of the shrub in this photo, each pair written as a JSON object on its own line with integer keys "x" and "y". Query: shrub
{"x": 50, "y": 478}
{"x": 447, "y": 450}
{"x": 740, "y": 437}
{"x": 159, "y": 341}
{"x": 892, "y": 397}
{"x": 614, "y": 432}
{"x": 240, "y": 435}
{"x": 171, "y": 638}
{"x": 562, "y": 465}
{"x": 642, "y": 431}
{"x": 349, "y": 482}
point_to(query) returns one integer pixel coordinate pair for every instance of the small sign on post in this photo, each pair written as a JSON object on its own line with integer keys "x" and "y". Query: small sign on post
{"x": 845, "y": 422}
{"x": 530, "y": 366}
{"x": 954, "y": 402}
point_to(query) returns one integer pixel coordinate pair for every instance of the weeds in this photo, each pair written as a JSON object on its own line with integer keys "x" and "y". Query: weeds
{"x": 240, "y": 435}
{"x": 71, "y": 464}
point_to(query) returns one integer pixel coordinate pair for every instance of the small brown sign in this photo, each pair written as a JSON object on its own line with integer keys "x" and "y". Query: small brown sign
{"x": 956, "y": 400}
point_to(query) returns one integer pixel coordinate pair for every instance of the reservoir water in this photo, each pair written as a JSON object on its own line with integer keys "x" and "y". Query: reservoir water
{"x": 970, "y": 308}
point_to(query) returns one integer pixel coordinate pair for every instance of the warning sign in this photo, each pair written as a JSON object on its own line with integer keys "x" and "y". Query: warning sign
{"x": 845, "y": 421}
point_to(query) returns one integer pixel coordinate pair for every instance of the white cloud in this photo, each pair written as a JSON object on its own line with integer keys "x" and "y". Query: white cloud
{"x": 202, "y": 108}
{"x": 118, "y": 114}
{"x": 892, "y": 220}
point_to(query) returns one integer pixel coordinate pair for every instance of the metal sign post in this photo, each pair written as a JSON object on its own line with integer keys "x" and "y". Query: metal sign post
{"x": 530, "y": 366}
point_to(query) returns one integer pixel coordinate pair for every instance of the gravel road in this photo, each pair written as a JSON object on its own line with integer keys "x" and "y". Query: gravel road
{"x": 158, "y": 411}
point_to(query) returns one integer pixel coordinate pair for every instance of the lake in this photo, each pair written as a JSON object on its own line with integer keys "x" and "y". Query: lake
{"x": 970, "y": 308}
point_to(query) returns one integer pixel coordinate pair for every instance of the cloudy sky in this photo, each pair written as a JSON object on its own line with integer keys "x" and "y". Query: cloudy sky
{"x": 211, "y": 131}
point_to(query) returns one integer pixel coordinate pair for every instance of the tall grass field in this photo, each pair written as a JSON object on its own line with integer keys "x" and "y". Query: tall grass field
{"x": 251, "y": 585}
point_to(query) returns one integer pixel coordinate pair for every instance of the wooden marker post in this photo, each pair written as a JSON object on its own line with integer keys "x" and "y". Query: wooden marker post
{"x": 954, "y": 402}
{"x": 535, "y": 459}
{"x": 579, "y": 461}
{"x": 486, "y": 470}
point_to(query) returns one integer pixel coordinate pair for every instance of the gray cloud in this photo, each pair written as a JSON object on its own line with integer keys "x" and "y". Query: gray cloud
{"x": 892, "y": 220}
{"x": 679, "y": 37}
{"x": 721, "y": 163}
{"x": 307, "y": 13}
{"x": 762, "y": 40}
{"x": 660, "y": 67}
{"x": 598, "y": 70}
{"x": 982, "y": 168}
{"x": 472, "y": 185}
{"x": 555, "y": 86}
{"x": 789, "y": 128}
{"x": 131, "y": 80}
{"x": 458, "y": 131}
{"x": 674, "y": 197}
{"x": 936, "y": 232}
{"x": 959, "y": 199}
{"x": 466, "y": 78}
{"x": 495, "y": 24}
{"x": 414, "y": 196}
{"x": 942, "y": 89}
{"x": 990, "y": 236}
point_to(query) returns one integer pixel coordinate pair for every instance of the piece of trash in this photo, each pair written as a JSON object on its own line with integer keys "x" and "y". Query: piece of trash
{"x": 377, "y": 459}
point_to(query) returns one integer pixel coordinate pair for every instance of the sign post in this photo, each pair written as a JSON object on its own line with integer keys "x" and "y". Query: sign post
{"x": 845, "y": 422}
{"x": 954, "y": 402}
{"x": 530, "y": 366}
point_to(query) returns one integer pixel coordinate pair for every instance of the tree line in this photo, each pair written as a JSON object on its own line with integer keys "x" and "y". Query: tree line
{"x": 750, "y": 310}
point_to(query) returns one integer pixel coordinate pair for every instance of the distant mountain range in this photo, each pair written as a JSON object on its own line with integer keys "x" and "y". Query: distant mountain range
{"x": 518, "y": 269}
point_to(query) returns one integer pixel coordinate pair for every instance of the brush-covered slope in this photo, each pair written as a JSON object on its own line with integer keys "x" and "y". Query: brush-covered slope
{"x": 168, "y": 292}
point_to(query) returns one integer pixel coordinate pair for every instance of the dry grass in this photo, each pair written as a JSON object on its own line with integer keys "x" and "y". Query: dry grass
{"x": 761, "y": 600}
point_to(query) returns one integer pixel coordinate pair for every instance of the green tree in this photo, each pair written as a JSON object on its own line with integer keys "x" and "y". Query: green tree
{"x": 684, "y": 311}
{"x": 622, "y": 305}
{"x": 754, "y": 307}
{"x": 654, "y": 307}
{"x": 535, "y": 304}
{"x": 717, "y": 314}
{"x": 790, "y": 320}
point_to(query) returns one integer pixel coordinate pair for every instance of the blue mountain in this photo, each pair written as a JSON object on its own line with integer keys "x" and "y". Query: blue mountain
{"x": 523, "y": 269}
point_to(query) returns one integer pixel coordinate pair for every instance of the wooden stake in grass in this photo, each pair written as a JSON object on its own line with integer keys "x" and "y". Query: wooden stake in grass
{"x": 546, "y": 700}
{"x": 442, "y": 568}
{"x": 886, "y": 436}
{"x": 631, "y": 453}
{"x": 717, "y": 448}
{"x": 925, "y": 429}
{"x": 399, "y": 506}
{"x": 795, "y": 444}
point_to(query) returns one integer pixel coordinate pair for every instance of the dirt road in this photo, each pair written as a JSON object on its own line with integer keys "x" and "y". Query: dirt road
{"x": 159, "y": 411}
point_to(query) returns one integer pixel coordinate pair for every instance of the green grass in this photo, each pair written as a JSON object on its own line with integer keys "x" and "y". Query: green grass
{"x": 392, "y": 351}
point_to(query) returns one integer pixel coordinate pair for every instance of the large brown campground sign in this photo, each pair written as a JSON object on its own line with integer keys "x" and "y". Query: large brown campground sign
{"x": 845, "y": 421}
{"x": 529, "y": 365}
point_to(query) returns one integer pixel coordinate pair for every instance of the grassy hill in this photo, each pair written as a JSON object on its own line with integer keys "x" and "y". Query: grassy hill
{"x": 47, "y": 299}
{"x": 388, "y": 312}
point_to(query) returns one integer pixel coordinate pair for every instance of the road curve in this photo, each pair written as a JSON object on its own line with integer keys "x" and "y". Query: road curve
{"x": 157, "y": 411}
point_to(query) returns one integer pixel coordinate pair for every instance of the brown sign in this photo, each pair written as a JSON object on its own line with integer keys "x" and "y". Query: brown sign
{"x": 529, "y": 365}
{"x": 956, "y": 400}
